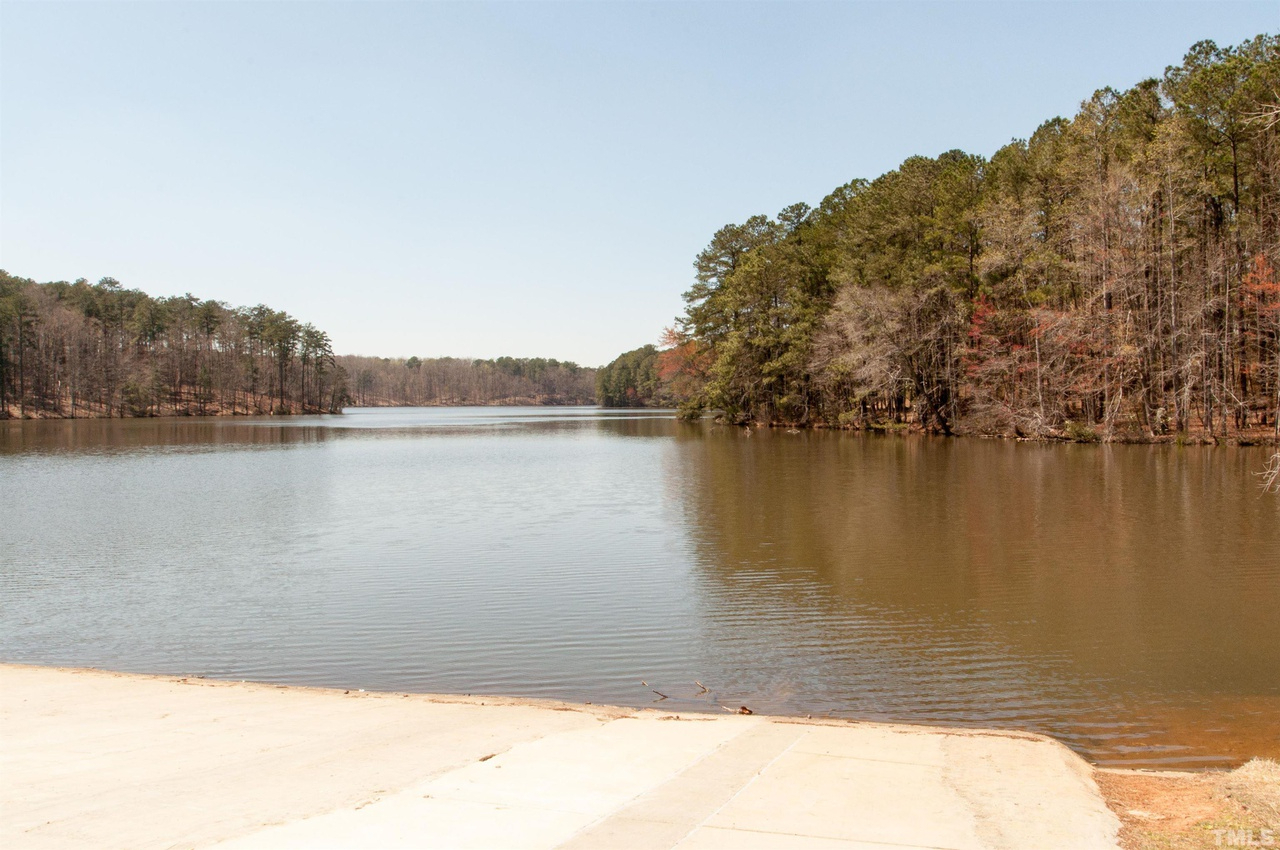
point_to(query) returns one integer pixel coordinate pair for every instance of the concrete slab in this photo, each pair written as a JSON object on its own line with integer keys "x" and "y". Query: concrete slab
{"x": 714, "y": 838}
{"x": 93, "y": 759}
{"x": 665, "y": 815}
{"x": 898, "y": 745}
{"x": 853, "y": 800}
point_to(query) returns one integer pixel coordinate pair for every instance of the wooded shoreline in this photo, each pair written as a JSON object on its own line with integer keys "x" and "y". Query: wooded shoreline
{"x": 80, "y": 350}
{"x": 1115, "y": 276}
{"x": 1258, "y": 437}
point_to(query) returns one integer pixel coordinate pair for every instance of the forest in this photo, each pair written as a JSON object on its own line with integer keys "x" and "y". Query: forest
{"x": 633, "y": 379}
{"x": 1111, "y": 277}
{"x": 388, "y": 382}
{"x": 100, "y": 350}
{"x": 79, "y": 350}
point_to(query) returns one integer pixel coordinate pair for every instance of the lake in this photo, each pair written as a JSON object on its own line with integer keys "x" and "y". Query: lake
{"x": 1124, "y": 599}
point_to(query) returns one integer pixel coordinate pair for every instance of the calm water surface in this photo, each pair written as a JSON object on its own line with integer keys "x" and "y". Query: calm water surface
{"x": 1125, "y": 599}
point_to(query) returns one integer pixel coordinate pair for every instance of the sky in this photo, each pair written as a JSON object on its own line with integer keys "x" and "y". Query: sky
{"x": 524, "y": 179}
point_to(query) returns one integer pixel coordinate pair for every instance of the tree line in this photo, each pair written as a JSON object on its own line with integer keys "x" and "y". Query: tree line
{"x": 395, "y": 382}
{"x": 634, "y": 379}
{"x": 101, "y": 350}
{"x": 1113, "y": 276}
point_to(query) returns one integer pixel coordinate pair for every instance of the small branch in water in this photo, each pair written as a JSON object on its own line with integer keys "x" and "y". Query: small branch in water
{"x": 660, "y": 694}
{"x": 705, "y": 689}
{"x": 1271, "y": 475}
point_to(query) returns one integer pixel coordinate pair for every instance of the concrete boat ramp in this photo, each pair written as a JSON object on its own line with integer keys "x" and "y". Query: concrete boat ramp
{"x": 91, "y": 759}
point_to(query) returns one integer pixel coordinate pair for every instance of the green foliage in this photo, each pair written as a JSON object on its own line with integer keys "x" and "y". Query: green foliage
{"x": 690, "y": 410}
{"x": 761, "y": 291}
{"x": 631, "y": 380}
{"x": 1077, "y": 433}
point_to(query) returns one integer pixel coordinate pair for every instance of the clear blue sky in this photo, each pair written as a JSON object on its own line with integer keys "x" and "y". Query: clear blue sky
{"x": 525, "y": 179}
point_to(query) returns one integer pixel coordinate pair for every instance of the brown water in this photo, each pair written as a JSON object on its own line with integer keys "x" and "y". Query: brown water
{"x": 1125, "y": 599}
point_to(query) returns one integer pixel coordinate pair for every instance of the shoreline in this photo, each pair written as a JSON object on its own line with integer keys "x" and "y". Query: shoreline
{"x": 193, "y": 762}
{"x": 1254, "y": 438}
{"x": 46, "y": 416}
{"x": 119, "y": 759}
{"x": 1135, "y": 763}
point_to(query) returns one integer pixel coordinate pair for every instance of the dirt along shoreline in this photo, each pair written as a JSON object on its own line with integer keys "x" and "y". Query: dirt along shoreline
{"x": 1177, "y": 810}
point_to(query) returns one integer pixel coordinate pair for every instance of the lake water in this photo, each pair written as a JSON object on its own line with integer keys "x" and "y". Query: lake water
{"x": 1125, "y": 599}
